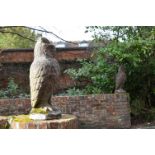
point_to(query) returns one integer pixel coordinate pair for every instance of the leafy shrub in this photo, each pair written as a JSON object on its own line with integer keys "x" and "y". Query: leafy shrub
{"x": 98, "y": 74}
{"x": 139, "y": 112}
{"x": 12, "y": 91}
{"x": 134, "y": 47}
{"x": 72, "y": 92}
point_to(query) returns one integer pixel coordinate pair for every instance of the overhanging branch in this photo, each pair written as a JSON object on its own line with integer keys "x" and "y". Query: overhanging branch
{"x": 44, "y": 30}
{"x": 39, "y": 30}
{"x": 10, "y": 32}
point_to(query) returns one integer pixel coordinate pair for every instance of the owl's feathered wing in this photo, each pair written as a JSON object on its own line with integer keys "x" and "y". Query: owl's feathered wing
{"x": 120, "y": 80}
{"x": 43, "y": 76}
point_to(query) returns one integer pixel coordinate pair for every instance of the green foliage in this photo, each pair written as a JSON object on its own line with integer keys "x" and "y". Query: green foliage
{"x": 139, "y": 112}
{"x": 72, "y": 92}
{"x": 132, "y": 46}
{"x": 98, "y": 73}
{"x": 12, "y": 91}
{"x": 8, "y": 40}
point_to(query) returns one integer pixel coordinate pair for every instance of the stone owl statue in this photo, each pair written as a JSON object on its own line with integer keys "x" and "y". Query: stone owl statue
{"x": 44, "y": 74}
{"x": 120, "y": 79}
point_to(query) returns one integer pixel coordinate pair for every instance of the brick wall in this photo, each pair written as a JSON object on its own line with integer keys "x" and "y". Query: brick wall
{"x": 93, "y": 111}
{"x": 16, "y": 63}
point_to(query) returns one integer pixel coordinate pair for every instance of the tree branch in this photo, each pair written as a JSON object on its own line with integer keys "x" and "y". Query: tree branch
{"x": 3, "y": 31}
{"x": 43, "y": 30}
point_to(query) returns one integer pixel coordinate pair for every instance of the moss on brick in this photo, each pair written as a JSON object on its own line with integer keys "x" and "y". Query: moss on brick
{"x": 20, "y": 118}
{"x": 39, "y": 111}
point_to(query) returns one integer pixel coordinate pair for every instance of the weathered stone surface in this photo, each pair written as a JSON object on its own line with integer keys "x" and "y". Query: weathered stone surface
{"x": 24, "y": 122}
{"x": 120, "y": 79}
{"x": 49, "y": 116}
{"x": 37, "y": 116}
{"x": 44, "y": 74}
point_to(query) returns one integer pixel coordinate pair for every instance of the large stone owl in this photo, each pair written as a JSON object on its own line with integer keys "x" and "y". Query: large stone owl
{"x": 44, "y": 74}
{"x": 120, "y": 79}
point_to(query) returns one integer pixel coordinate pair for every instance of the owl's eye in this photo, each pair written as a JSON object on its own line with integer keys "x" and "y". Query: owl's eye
{"x": 52, "y": 47}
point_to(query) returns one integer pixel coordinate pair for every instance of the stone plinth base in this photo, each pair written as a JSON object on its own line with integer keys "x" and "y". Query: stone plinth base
{"x": 24, "y": 122}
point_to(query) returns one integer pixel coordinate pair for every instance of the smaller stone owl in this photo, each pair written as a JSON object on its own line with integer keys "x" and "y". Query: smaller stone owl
{"x": 120, "y": 79}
